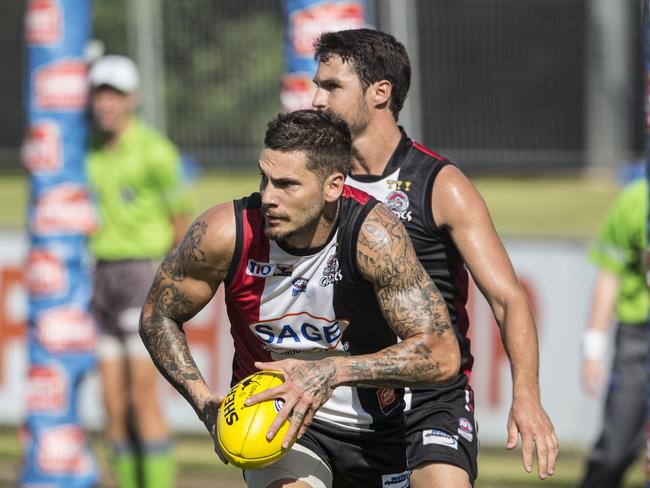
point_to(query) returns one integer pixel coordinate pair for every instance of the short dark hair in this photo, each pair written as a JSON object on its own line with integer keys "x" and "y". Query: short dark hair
{"x": 324, "y": 137}
{"x": 374, "y": 55}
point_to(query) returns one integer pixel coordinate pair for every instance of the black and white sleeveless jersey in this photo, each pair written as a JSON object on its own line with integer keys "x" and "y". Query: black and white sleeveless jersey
{"x": 309, "y": 305}
{"x": 406, "y": 187}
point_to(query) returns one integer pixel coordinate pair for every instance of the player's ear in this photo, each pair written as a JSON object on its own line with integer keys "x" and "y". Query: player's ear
{"x": 333, "y": 186}
{"x": 381, "y": 91}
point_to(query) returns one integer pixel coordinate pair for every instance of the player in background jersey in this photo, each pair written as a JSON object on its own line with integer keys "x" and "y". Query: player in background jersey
{"x": 363, "y": 76}
{"x": 320, "y": 280}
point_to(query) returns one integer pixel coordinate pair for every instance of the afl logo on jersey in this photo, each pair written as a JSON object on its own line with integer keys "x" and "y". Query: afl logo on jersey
{"x": 331, "y": 272}
{"x": 299, "y": 286}
{"x": 399, "y": 203}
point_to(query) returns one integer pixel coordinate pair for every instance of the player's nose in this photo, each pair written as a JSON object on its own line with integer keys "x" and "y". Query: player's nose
{"x": 319, "y": 100}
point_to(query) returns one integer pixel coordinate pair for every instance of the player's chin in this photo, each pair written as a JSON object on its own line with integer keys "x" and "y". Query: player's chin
{"x": 276, "y": 232}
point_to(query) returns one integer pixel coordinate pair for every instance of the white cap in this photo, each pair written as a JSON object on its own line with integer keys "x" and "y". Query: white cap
{"x": 116, "y": 71}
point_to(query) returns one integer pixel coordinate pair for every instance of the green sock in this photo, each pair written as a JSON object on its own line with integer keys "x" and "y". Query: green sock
{"x": 158, "y": 466}
{"x": 124, "y": 466}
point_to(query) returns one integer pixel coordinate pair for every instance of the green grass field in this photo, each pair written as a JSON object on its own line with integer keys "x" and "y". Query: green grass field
{"x": 563, "y": 207}
{"x": 199, "y": 467}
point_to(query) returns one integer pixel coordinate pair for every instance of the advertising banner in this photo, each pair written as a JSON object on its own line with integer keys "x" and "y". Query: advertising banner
{"x": 60, "y": 335}
{"x": 304, "y": 21}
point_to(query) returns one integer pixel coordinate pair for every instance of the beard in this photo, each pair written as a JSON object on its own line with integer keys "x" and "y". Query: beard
{"x": 303, "y": 224}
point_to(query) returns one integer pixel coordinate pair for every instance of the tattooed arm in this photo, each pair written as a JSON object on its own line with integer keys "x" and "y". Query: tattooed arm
{"x": 413, "y": 307}
{"x": 184, "y": 283}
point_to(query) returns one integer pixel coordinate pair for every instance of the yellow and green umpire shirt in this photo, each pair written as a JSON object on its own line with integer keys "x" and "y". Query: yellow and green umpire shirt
{"x": 620, "y": 246}
{"x": 138, "y": 187}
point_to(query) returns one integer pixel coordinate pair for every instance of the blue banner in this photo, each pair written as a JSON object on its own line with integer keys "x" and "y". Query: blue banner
{"x": 304, "y": 21}
{"x": 62, "y": 334}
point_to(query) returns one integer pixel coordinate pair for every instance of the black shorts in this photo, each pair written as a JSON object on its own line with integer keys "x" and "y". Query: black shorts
{"x": 119, "y": 291}
{"x": 361, "y": 459}
{"x": 441, "y": 427}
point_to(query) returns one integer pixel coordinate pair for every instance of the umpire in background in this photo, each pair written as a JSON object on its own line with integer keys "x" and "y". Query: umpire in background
{"x": 620, "y": 290}
{"x": 134, "y": 174}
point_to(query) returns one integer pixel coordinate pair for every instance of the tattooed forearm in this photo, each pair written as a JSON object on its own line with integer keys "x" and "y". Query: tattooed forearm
{"x": 403, "y": 364}
{"x": 167, "y": 345}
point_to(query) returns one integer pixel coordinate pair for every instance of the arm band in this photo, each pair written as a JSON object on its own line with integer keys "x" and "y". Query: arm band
{"x": 594, "y": 344}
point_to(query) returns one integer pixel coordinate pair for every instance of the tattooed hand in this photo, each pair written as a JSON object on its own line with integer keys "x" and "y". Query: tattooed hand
{"x": 208, "y": 413}
{"x": 307, "y": 386}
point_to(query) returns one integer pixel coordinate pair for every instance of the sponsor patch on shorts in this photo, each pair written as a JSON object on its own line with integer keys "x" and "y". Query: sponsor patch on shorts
{"x": 440, "y": 437}
{"x": 399, "y": 480}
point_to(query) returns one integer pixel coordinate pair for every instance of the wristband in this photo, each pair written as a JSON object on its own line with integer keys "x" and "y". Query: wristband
{"x": 594, "y": 344}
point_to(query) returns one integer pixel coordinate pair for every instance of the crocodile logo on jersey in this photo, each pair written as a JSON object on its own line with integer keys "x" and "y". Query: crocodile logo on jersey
{"x": 331, "y": 273}
{"x": 299, "y": 286}
{"x": 399, "y": 203}
{"x": 283, "y": 270}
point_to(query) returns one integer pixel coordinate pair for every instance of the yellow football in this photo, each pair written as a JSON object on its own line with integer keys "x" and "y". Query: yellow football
{"x": 242, "y": 430}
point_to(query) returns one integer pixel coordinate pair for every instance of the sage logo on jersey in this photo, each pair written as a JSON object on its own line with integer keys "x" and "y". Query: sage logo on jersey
{"x": 42, "y": 149}
{"x": 299, "y": 286}
{"x": 440, "y": 437}
{"x": 61, "y": 85}
{"x": 397, "y": 480}
{"x": 65, "y": 209}
{"x": 399, "y": 203}
{"x": 47, "y": 390}
{"x": 283, "y": 269}
{"x": 66, "y": 329}
{"x": 331, "y": 273}
{"x": 309, "y": 23}
{"x": 62, "y": 450}
{"x": 299, "y": 332}
{"x": 43, "y": 22}
{"x": 45, "y": 274}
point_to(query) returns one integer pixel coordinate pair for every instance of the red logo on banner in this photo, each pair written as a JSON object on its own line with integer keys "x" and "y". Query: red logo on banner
{"x": 42, "y": 148}
{"x": 65, "y": 330}
{"x": 47, "y": 390}
{"x": 62, "y": 450}
{"x": 308, "y": 24}
{"x": 43, "y": 22}
{"x": 61, "y": 85}
{"x": 66, "y": 208}
{"x": 297, "y": 92}
{"x": 45, "y": 274}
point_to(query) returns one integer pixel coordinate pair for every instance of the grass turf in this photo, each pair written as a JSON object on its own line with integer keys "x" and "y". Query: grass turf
{"x": 567, "y": 207}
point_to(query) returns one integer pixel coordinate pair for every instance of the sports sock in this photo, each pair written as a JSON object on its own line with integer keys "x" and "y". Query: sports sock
{"x": 158, "y": 465}
{"x": 124, "y": 465}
